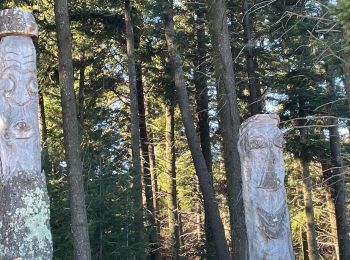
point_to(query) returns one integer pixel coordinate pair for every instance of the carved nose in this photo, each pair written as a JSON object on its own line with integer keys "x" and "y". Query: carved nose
{"x": 21, "y": 96}
{"x": 269, "y": 180}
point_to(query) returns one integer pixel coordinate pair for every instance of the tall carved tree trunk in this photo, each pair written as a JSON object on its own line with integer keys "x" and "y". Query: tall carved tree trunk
{"x": 200, "y": 82}
{"x": 264, "y": 195}
{"x": 253, "y": 80}
{"x": 135, "y": 134}
{"x": 170, "y": 171}
{"x": 229, "y": 122}
{"x": 79, "y": 224}
{"x": 204, "y": 177}
{"x": 24, "y": 203}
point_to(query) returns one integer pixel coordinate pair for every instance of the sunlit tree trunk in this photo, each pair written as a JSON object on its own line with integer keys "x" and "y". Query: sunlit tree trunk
{"x": 79, "y": 224}
{"x": 305, "y": 158}
{"x": 147, "y": 177}
{"x": 327, "y": 173}
{"x": 135, "y": 135}
{"x": 200, "y": 82}
{"x": 337, "y": 185}
{"x": 170, "y": 171}
{"x": 309, "y": 211}
{"x": 229, "y": 122}
{"x": 337, "y": 182}
{"x": 204, "y": 177}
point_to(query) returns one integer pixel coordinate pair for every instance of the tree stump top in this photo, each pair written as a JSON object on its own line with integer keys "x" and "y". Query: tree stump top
{"x": 17, "y": 22}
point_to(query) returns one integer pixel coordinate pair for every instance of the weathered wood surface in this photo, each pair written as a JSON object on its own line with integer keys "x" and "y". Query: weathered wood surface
{"x": 24, "y": 203}
{"x": 266, "y": 212}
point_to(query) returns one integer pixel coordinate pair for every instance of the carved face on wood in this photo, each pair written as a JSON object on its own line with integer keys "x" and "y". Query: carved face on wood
{"x": 18, "y": 82}
{"x": 260, "y": 146}
{"x": 18, "y": 99}
{"x": 261, "y": 143}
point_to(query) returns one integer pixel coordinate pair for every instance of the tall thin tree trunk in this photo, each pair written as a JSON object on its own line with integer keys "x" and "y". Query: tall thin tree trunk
{"x": 81, "y": 91}
{"x": 327, "y": 173}
{"x": 79, "y": 224}
{"x": 309, "y": 211}
{"x": 170, "y": 171}
{"x": 153, "y": 171}
{"x": 204, "y": 176}
{"x": 346, "y": 68}
{"x": 135, "y": 134}
{"x": 229, "y": 122}
{"x": 253, "y": 80}
{"x": 202, "y": 98}
{"x": 337, "y": 185}
{"x": 147, "y": 178}
{"x": 307, "y": 186}
{"x": 45, "y": 156}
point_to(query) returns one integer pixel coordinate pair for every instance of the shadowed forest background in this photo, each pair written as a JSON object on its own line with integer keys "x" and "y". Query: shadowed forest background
{"x": 291, "y": 58}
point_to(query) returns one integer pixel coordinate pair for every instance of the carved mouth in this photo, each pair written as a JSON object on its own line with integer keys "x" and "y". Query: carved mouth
{"x": 272, "y": 223}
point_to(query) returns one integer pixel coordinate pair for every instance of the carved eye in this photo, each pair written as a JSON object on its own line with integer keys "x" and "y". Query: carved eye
{"x": 21, "y": 126}
{"x": 279, "y": 141}
{"x": 8, "y": 86}
{"x": 257, "y": 143}
{"x": 32, "y": 87}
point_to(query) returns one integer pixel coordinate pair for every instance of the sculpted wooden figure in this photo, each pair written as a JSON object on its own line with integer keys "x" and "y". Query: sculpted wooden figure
{"x": 267, "y": 219}
{"x": 24, "y": 203}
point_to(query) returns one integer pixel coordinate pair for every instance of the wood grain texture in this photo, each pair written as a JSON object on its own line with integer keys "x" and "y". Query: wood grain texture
{"x": 24, "y": 202}
{"x": 266, "y": 212}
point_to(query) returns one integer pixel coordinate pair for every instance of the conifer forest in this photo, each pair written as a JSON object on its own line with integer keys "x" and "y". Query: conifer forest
{"x": 172, "y": 129}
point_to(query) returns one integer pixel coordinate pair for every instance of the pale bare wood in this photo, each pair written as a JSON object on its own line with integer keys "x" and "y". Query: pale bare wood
{"x": 266, "y": 212}
{"x": 24, "y": 202}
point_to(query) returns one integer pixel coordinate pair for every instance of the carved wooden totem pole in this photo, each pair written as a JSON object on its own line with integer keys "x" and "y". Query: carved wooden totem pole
{"x": 24, "y": 203}
{"x": 267, "y": 219}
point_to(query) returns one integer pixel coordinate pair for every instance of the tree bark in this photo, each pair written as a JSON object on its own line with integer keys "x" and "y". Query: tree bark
{"x": 135, "y": 133}
{"x": 81, "y": 92}
{"x": 147, "y": 178}
{"x": 24, "y": 202}
{"x": 229, "y": 122}
{"x": 45, "y": 156}
{"x": 337, "y": 182}
{"x": 170, "y": 171}
{"x": 80, "y": 232}
{"x": 204, "y": 177}
{"x": 309, "y": 211}
{"x": 153, "y": 171}
{"x": 305, "y": 158}
{"x": 337, "y": 185}
{"x": 253, "y": 80}
{"x": 327, "y": 173}
{"x": 346, "y": 68}
{"x": 202, "y": 98}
